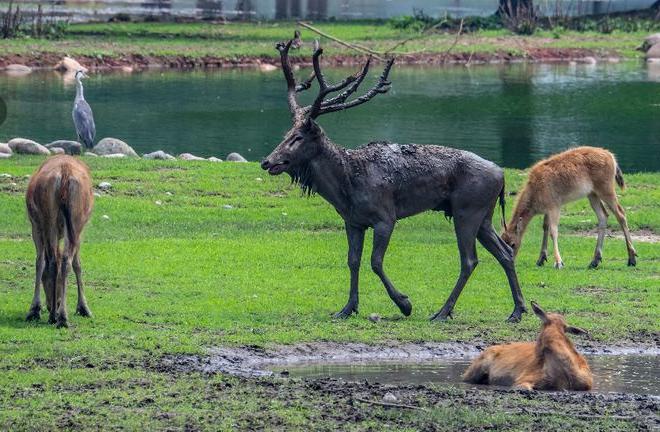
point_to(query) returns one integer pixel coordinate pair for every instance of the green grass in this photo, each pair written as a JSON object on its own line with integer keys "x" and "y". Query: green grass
{"x": 239, "y": 40}
{"x": 189, "y": 274}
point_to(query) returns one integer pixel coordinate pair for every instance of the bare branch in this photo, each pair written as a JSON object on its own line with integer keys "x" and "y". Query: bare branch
{"x": 362, "y": 49}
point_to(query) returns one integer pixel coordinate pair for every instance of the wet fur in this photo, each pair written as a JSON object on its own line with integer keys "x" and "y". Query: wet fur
{"x": 59, "y": 202}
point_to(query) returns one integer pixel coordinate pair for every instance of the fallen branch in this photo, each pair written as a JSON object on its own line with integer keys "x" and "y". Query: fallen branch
{"x": 389, "y": 405}
{"x": 458, "y": 36}
{"x": 362, "y": 49}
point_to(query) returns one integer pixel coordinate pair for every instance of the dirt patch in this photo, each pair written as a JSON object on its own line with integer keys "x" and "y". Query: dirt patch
{"x": 253, "y": 361}
{"x": 47, "y": 60}
{"x": 643, "y": 235}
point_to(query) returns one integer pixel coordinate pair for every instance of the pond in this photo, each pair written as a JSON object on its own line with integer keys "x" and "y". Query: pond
{"x": 511, "y": 114}
{"x": 612, "y": 373}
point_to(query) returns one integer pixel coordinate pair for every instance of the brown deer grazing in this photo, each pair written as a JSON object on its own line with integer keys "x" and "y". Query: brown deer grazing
{"x": 59, "y": 203}
{"x": 550, "y": 363}
{"x": 374, "y": 186}
{"x": 577, "y": 173}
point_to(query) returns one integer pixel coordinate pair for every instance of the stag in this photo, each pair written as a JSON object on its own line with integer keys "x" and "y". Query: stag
{"x": 59, "y": 202}
{"x": 380, "y": 183}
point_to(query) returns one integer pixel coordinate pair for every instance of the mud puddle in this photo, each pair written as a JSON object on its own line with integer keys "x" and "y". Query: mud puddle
{"x": 618, "y": 374}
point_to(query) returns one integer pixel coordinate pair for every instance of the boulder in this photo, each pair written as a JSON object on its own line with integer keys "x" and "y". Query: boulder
{"x": 265, "y": 67}
{"x": 653, "y": 54}
{"x": 105, "y": 186}
{"x": 214, "y": 159}
{"x": 190, "y": 157}
{"x": 115, "y": 156}
{"x": 159, "y": 155}
{"x": 26, "y": 146}
{"x": 110, "y": 146}
{"x": 18, "y": 69}
{"x": 650, "y": 41}
{"x": 69, "y": 147}
{"x": 235, "y": 157}
{"x": 4, "y": 148}
{"x": 90, "y": 154}
{"x": 57, "y": 150}
{"x": 5, "y": 155}
{"x": 68, "y": 64}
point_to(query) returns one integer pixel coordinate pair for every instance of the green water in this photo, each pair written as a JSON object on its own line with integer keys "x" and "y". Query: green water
{"x": 512, "y": 114}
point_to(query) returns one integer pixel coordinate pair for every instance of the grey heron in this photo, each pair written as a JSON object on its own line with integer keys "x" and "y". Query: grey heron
{"x": 83, "y": 118}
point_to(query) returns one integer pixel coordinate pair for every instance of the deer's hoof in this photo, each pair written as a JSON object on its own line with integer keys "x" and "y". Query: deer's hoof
{"x": 33, "y": 315}
{"x": 443, "y": 315}
{"x": 84, "y": 311}
{"x": 52, "y": 319}
{"x": 632, "y": 262}
{"x": 559, "y": 265}
{"x": 62, "y": 323}
{"x": 516, "y": 316}
{"x": 594, "y": 264}
{"x": 346, "y": 312}
{"x": 542, "y": 260}
{"x": 405, "y": 306}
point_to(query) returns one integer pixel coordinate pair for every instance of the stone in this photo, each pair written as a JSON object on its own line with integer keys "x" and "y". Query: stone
{"x": 158, "y": 202}
{"x": 105, "y": 186}
{"x": 5, "y": 155}
{"x": 4, "y": 148}
{"x": 390, "y": 398}
{"x": 374, "y": 317}
{"x": 26, "y": 146}
{"x": 115, "y": 156}
{"x": 235, "y": 157}
{"x": 68, "y": 64}
{"x": 214, "y": 159}
{"x": 69, "y": 147}
{"x": 227, "y": 207}
{"x": 265, "y": 67}
{"x": 57, "y": 150}
{"x": 159, "y": 155}
{"x": 90, "y": 154}
{"x": 108, "y": 146}
{"x": 653, "y": 53}
{"x": 105, "y": 217}
{"x": 18, "y": 69}
{"x": 190, "y": 157}
{"x": 650, "y": 41}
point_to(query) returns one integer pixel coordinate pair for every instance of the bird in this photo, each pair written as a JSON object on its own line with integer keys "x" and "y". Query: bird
{"x": 83, "y": 118}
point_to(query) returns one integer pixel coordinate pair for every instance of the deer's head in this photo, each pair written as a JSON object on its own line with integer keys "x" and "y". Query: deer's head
{"x": 305, "y": 138}
{"x": 556, "y": 320}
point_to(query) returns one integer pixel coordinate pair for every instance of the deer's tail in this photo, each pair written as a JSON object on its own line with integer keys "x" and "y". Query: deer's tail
{"x": 619, "y": 178}
{"x": 69, "y": 191}
{"x": 503, "y": 205}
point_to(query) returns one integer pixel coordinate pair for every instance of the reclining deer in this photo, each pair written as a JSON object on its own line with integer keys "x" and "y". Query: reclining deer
{"x": 59, "y": 203}
{"x": 550, "y": 363}
{"x": 374, "y": 186}
{"x": 577, "y": 173}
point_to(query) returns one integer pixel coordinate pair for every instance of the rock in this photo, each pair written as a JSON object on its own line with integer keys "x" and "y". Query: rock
{"x": 158, "y": 202}
{"x": 115, "y": 156}
{"x": 374, "y": 317}
{"x": 97, "y": 195}
{"x": 265, "y": 67}
{"x": 90, "y": 154}
{"x": 69, "y": 147}
{"x": 590, "y": 60}
{"x": 214, "y": 159}
{"x": 159, "y": 155}
{"x": 227, "y": 207}
{"x": 653, "y": 53}
{"x": 105, "y": 186}
{"x": 68, "y": 64}
{"x": 108, "y": 146}
{"x": 105, "y": 217}
{"x": 168, "y": 193}
{"x": 390, "y": 398}
{"x": 57, "y": 150}
{"x": 4, "y": 148}
{"x": 5, "y": 175}
{"x": 235, "y": 157}
{"x": 18, "y": 69}
{"x": 650, "y": 41}
{"x": 190, "y": 157}
{"x": 26, "y": 146}
{"x": 5, "y": 155}
{"x": 126, "y": 69}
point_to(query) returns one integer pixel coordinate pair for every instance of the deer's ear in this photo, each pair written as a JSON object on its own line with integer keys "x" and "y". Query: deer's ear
{"x": 576, "y": 331}
{"x": 539, "y": 312}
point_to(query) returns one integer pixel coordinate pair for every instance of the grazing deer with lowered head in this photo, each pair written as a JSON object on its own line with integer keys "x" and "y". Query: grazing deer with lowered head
{"x": 577, "y": 173}
{"x": 374, "y": 186}
{"x": 59, "y": 203}
{"x": 550, "y": 363}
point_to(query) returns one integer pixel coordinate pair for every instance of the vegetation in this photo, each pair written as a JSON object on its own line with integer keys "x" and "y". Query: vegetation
{"x": 174, "y": 269}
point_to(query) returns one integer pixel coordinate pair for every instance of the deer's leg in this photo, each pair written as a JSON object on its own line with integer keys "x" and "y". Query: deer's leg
{"x": 49, "y": 279}
{"x": 64, "y": 263}
{"x": 35, "y": 308}
{"x": 355, "y": 237}
{"x": 553, "y": 221}
{"x": 543, "y": 256}
{"x": 613, "y": 203}
{"x": 82, "y": 309}
{"x": 601, "y": 214}
{"x": 466, "y": 227}
{"x": 502, "y": 252}
{"x": 382, "y": 234}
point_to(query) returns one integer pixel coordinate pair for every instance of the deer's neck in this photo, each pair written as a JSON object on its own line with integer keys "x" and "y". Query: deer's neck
{"x": 327, "y": 174}
{"x": 523, "y": 212}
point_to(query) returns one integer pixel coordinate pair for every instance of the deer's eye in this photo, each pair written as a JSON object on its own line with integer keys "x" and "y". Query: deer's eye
{"x": 295, "y": 140}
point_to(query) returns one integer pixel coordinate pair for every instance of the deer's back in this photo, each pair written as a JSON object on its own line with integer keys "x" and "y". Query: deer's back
{"x": 506, "y": 363}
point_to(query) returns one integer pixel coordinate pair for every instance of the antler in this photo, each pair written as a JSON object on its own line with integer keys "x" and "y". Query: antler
{"x": 321, "y": 105}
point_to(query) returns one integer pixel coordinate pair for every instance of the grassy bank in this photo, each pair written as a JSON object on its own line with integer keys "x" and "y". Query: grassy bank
{"x": 190, "y": 273}
{"x": 111, "y": 44}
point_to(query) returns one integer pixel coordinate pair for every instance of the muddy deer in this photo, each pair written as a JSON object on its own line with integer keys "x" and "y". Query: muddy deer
{"x": 550, "y": 363}
{"x": 574, "y": 174}
{"x": 59, "y": 203}
{"x": 377, "y": 184}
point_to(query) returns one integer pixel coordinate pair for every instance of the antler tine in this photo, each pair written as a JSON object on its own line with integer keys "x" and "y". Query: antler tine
{"x": 283, "y": 48}
{"x": 382, "y": 86}
{"x": 340, "y": 98}
{"x": 305, "y": 85}
{"x": 325, "y": 89}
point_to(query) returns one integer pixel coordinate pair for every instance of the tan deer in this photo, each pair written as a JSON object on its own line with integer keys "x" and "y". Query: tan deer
{"x": 577, "y": 173}
{"x": 550, "y": 363}
{"x": 59, "y": 203}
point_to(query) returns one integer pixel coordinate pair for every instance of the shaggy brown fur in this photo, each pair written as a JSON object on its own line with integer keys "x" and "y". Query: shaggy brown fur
{"x": 59, "y": 203}
{"x": 577, "y": 173}
{"x": 550, "y": 363}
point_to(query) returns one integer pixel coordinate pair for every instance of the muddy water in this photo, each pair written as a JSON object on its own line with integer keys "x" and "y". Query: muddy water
{"x": 617, "y": 373}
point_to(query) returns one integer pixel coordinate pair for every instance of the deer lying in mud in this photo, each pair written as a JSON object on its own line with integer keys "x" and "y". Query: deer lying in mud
{"x": 59, "y": 203}
{"x": 577, "y": 173}
{"x": 550, "y": 363}
{"x": 374, "y": 186}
